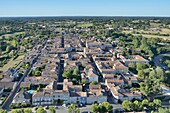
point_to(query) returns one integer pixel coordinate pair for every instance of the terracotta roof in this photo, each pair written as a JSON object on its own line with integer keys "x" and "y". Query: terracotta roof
{"x": 6, "y": 84}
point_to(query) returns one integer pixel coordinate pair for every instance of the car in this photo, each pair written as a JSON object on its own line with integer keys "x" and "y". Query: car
{"x": 64, "y": 105}
{"x": 80, "y": 105}
{"x": 56, "y": 107}
{"x": 35, "y": 108}
{"x": 46, "y": 107}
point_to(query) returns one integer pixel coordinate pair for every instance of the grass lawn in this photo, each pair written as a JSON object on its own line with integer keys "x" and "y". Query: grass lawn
{"x": 164, "y": 31}
{"x": 85, "y": 25}
{"x": 155, "y": 24}
{"x": 154, "y": 36}
{"x": 13, "y": 34}
{"x": 12, "y": 63}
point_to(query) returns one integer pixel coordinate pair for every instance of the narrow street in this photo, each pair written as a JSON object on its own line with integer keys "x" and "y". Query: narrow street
{"x": 6, "y": 104}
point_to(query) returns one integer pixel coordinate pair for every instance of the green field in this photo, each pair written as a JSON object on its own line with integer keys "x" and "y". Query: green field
{"x": 12, "y": 63}
{"x": 154, "y": 36}
{"x": 11, "y": 35}
{"x": 85, "y": 25}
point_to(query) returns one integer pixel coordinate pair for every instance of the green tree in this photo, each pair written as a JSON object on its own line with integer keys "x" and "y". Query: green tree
{"x": 3, "y": 111}
{"x": 95, "y": 108}
{"x": 140, "y": 66}
{"x": 75, "y": 72}
{"x": 16, "y": 111}
{"x": 163, "y": 110}
{"x": 27, "y": 110}
{"x": 141, "y": 74}
{"x": 136, "y": 105}
{"x": 145, "y": 103}
{"x": 73, "y": 109}
{"x": 157, "y": 103}
{"x": 40, "y": 110}
{"x": 106, "y": 107}
{"x": 127, "y": 105}
{"x": 94, "y": 83}
{"x": 8, "y": 48}
{"x": 68, "y": 73}
{"x": 52, "y": 109}
{"x": 36, "y": 72}
{"x": 144, "y": 88}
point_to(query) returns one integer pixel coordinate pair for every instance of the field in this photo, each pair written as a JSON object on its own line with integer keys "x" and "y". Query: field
{"x": 10, "y": 35}
{"x": 154, "y": 36}
{"x": 163, "y": 31}
{"x": 85, "y": 25}
{"x": 12, "y": 63}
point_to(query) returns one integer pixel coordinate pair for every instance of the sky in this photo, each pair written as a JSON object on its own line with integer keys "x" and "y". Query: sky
{"x": 13, "y": 8}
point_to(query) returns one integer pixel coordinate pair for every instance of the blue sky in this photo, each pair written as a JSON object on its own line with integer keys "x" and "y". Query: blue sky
{"x": 84, "y": 8}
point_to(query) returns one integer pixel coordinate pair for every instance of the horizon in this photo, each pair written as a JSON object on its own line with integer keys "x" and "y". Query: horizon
{"x": 44, "y": 16}
{"x": 43, "y": 8}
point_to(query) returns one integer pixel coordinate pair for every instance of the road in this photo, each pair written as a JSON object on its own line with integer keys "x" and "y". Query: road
{"x": 157, "y": 62}
{"x": 9, "y": 100}
{"x": 6, "y": 104}
{"x": 86, "y": 109}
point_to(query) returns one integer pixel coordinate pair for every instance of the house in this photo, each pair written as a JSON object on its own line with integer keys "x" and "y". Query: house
{"x": 39, "y": 80}
{"x": 42, "y": 98}
{"x": 119, "y": 67}
{"x": 22, "y": 97}
{"x": 96, "y": 94}
{"x": 117, "y": 80}
{"x": 93, "y": 77}
{"x": 133, "y": 59}
{"x": 61, "y": 95}
{"x": 10, "y": 74}
{"x": 123, "y": 94}
{"x": 78, "y": 97}
{"x": 6, "y": 86}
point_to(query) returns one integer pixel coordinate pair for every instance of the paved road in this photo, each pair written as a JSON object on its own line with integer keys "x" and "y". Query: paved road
{"x": 17, "y": 87}
{"x": 6, "y": 104}
{"x": 86, "y": 109}
{"x": 158, "y": 63}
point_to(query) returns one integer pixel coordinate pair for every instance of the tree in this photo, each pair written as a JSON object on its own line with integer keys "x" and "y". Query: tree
{"x": 68, "y": 73}
{"x": 27, "y": 110}
{"x": 144, "y": 88}
{"x": 159, "y": 73}
{"x": 73, "y": 109}
{"x": 52, "y": 109}
{"x": 145, "y": 103}
{"x": 95, "y": 108}
{"x": 94, "y": 83}
{"x": 157, "y": 103}
{"x": 75, "y": 72}
{"x": 40, "y": 110}
{"x": 141, "y": 74}
{"x": 136, "y": 105}
{"x": 132, "y": 67}
{"x": 163, "y": 110}
{"x": 36, "y": 72}
{"x": 127, "y": 105}
{"x": 3, "y": 111}
{"x": 135, "y": 43}
{"x": 16, "y": 111}
{"x": 140, "y": 66}
{"x": 8, "y": 48}
{"x": 106, "y": 107}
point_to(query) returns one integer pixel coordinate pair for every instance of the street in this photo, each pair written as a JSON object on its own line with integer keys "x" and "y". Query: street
{"x": 158, "y": 63}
